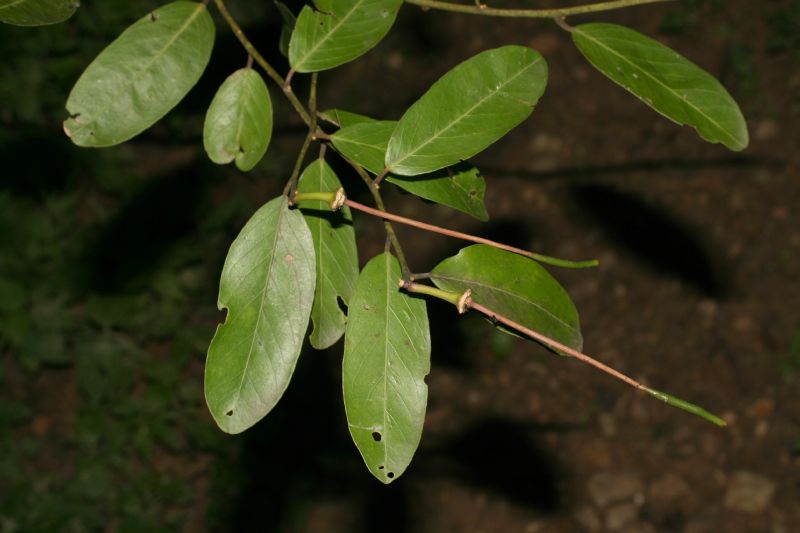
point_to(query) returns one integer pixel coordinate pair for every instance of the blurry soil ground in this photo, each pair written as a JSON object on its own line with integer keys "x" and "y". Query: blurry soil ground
{"x": 697, "y": 294}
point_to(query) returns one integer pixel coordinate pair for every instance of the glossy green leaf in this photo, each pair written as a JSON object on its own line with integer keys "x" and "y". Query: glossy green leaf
{"x": 461, "y": 187}
{"x": 342, "y": 118}
{"x": 289, "y": 22}
{"x": 338, "y": 31}
{"x": 515, "y": 287}
{"x": 267, "y": 286}
{"x": 664, "y": 80}
{"x": 365, "y": 142}
{"x": 468, "y": 109}
{"x": 386, "y": 358}
{"x": 140, "y": 76}
{"x": 337, "y": 258}
{"x": 239, "y": 121}
{"x": 36, "y": 12}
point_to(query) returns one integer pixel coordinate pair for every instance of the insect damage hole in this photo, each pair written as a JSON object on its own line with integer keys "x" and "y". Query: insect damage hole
{"x": 229, "y": 413}
{"x": 376, "y": 436}
{"x": 390, "y": 475}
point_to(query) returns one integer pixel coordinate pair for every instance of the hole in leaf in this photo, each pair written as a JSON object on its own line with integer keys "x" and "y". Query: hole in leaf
{"x": 390, "y": 475}
{"x": 380, "y": 467}
{"x": 229, "y": 413}
{"x": 376, "y": 436}
{"x": 342, "y": 305}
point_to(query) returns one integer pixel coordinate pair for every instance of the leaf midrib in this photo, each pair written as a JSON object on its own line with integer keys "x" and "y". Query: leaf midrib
{"x": 12, "y": 4}
{"x": 386, "y": 364}
{"x": 276, "y": 237}
{"x": 461, "y": 117}
{"x": 659, "y": 82}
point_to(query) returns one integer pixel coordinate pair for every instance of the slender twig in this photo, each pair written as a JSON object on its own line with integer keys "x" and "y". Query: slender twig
{"x": 464, "y": 302}
{"x": 291, "y": 185}
{"x": 484, "y": 10}
{"x": 269, "y": 69}
{"x": 467, "y": 237}
{"x": 376, "y": 195}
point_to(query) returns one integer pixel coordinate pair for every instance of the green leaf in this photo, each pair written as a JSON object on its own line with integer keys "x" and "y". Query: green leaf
{"x": 342, "y": 118}
{"x": 664, "y": 80}
{"x": 386, "y": 358}
{"x": 365, "y": 142}
{"x": 267, "y": 286}
{"x": 515, "y": 287}
{"x": 36, "y": 12}
{"x": 337, "y": 258}
{"x": 140, "y": 76}
{"x": 239, "y": 121}
{"x": 289, "y": 22}
{"x": 338, "y": 31}
{"x": 461, "y": 187}
{"x": 469, "y": 108}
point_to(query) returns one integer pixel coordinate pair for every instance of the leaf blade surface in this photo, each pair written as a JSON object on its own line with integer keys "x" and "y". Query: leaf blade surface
{"x": 267, "y": 286}
{"x": 238, "y": 124}
{"x": 36, "y": 12}
{"x": 140, "y": 76}
{"x": 664, "y": 80}
{"x": 467, "y": 109}
{"x": 337, "y": 257}
{"x": 338, "y": 31}
{"x": 516, "y": 287}
{"x": 386, "y": 358}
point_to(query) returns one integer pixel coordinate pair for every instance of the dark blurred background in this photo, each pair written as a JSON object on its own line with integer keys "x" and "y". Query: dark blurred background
{"x": 110, "y": 259}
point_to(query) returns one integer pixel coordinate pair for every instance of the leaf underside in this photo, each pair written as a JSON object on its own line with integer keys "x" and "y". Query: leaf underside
{"x": 514, "y": 286}
{"x": 386, "y": 359}
{"x": 238, "y": 123}
{"x": 337, "y": 258}
{"x": 36, "y": 12}
{"x": 664, "y": 80}
{"x": 267, "y": 286}
{"x": 140, "y": 76}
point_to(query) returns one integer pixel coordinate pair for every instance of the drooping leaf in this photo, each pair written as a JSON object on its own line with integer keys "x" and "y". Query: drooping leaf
{"x": 343, "y": 118}
{"x": 140, "y": 76}
{"x": 289, "y": 22}
{"x": 365, "y": 142}
{"x": 338, "y": 31}
{"x": 514, "y": 286}
{"x": 664, "y": 80}
{"x": 36, "y": 12}
{"x": 239, "y": 121}
{"x": 386, "y": 359}
{"x": 267, "y": 286}
{"x": 337, "y": 258}
{"x": 461, "y": 187}
{"x": 468, "y": 109}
